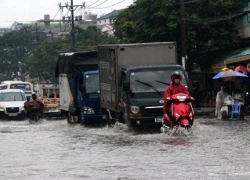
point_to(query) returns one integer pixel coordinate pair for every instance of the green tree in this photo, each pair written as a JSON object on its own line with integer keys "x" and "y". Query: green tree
{"x": 150, "y": 21}
{"x": 91, "y": 37}
{"x": 42, "y": 61}
{"x": 14, "y": 48}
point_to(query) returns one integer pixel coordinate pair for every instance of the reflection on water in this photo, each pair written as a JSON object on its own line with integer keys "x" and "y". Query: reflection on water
{"x": 55, "y": 150}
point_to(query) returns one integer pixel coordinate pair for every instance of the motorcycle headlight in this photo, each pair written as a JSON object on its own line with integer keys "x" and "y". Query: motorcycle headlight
{"x": 88, "y": 110}
{"x": 134, "y": 109}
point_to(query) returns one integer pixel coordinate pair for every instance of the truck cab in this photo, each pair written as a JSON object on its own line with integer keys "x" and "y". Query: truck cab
{"x": 89, "y": 97}
{"x": 142, "y": 90}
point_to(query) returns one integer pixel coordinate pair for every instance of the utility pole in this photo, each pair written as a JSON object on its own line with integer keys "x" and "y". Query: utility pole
{"x": 72, "y": 24}
{"x": 36, "y": 34}
{"x": 184, "y": 57}
{"x": 72, "y": 8}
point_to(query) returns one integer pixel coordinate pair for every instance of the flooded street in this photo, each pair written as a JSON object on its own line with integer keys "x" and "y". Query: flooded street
{"x": 56, "y": 150}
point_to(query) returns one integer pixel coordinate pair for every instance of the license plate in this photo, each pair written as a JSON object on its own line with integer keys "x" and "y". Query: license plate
{"x": 158, "y": 120}
{"x": 13, "y": 114}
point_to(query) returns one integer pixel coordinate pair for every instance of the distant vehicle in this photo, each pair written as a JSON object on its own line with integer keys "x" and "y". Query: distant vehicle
{"x": 49, "y": 95}
{"x": 26, "y": 87}
{"x": 12, "y": 103}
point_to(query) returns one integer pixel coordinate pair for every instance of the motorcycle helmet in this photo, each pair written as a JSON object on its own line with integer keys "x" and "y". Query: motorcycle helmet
{"x": 33, "y": 94}
{"x": 176, "y": 75}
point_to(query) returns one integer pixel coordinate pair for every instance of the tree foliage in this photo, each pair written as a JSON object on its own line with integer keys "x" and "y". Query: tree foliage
{"x": 28, "y": 53}
{"x": 14, "y": 48}
{"x": 42, "y": 61}
{"x": 150, "y": 21}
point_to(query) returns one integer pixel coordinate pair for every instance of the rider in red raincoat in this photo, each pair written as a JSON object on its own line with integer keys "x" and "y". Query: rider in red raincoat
{"x": 34, "y": 102}
{"x": 174, "y": 88}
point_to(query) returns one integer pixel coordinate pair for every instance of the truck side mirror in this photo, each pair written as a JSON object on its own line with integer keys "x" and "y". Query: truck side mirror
{"x": 83, "y": 88}
{"x": 125, "y": 86}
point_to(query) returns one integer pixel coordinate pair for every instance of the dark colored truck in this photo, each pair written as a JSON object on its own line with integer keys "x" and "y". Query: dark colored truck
{"x": 79, "y": 87}
{"x": 133, "y": 78}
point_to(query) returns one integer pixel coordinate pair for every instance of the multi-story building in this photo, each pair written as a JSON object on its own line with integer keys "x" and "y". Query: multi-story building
{"x": 105, "y": 23}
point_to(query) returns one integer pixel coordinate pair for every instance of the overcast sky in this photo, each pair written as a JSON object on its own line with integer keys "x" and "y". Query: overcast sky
{"x": 32, "y": 10}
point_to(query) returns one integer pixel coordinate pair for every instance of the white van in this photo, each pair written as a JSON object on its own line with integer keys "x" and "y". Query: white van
{"x": 12, "y": 103}
{"x": 26, "y": 87}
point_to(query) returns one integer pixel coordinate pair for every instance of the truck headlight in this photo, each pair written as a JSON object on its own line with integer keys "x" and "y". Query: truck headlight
{"x": 88, "y": 110}
{"x": 1, "y": 106}
{"x": 135, "y": 109}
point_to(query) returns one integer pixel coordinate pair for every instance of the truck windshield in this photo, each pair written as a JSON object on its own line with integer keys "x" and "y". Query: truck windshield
{"x": 92, "y": 83}
{"x": 158, "y": 78}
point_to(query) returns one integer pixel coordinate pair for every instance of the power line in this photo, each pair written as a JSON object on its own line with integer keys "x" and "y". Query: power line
{"x": 99, "y": 4}
{"x": 222, "y": 19}
{"x": 94, "y": 3}
{"x": 56, "y": 14}
{"x": 78, "y": 10}
{"x": 110, "y": 5}
{"x": 190, "y": 2}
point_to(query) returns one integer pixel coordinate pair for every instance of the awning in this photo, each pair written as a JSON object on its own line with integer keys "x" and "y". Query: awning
{"x": 238, "y": 56}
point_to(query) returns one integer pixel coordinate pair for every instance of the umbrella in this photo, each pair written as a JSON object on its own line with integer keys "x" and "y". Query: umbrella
{"x": 231, "y": 75}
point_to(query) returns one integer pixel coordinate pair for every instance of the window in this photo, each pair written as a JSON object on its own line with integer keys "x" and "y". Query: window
{"x": 3, "y": 87}
{"x": 12, "y": 96}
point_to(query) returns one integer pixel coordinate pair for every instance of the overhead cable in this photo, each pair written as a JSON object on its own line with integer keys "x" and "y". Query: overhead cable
{"x": 110, "y": 5}
{"x": 98, "y": 4}
{"x": 219, "y": 20}
{"x": 93, "y": 3}
{"x": 56, "y": 14}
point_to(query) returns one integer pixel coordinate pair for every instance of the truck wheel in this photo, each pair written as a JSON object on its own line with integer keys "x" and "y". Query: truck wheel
{"x": 129, "y": 123}
{"x": 72, "y": 119}
{"x": 109, "y": 121}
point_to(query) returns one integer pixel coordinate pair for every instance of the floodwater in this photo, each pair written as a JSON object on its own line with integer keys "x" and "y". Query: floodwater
{"x": 56, "y": 150}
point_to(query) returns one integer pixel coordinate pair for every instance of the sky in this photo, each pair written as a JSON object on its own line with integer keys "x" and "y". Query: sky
{"x": 32, "y": 10}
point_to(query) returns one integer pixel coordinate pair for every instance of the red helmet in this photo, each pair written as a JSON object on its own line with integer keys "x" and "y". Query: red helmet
{"x": 176, "y": 75}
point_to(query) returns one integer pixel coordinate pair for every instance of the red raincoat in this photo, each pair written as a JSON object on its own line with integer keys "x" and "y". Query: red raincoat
{"x": 35, "y": 103}
{"x": 171, "y": 90}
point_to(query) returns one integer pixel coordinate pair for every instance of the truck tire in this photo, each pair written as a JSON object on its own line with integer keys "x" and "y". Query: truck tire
{"x": 72, "y": 119}
{"x": 110, "y": 122}
{"x": 129, "y": 123}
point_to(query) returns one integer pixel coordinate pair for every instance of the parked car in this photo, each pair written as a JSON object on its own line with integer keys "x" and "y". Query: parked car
{"x": 12, "y": 103}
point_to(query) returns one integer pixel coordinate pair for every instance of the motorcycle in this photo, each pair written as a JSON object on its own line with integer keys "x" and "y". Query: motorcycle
{"x": 34, "y": 115}
{"x": 182, "y": 113}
